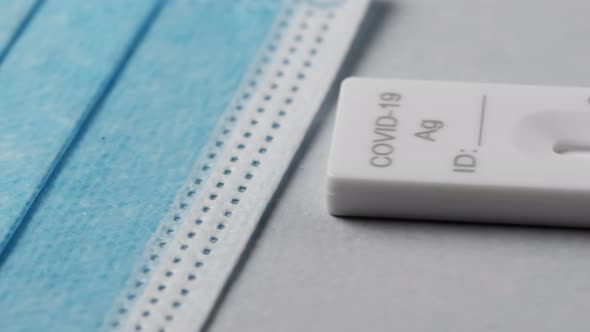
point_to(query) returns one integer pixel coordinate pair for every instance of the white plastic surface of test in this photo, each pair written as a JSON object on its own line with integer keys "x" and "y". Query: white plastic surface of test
{"x": 461, "y": 152}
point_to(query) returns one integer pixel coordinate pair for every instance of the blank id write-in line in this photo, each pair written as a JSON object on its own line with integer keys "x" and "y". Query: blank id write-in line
{"x": 482, "y": 117}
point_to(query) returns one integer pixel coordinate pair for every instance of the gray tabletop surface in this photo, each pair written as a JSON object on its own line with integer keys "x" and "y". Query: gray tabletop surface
{"x": 309, "y": 271}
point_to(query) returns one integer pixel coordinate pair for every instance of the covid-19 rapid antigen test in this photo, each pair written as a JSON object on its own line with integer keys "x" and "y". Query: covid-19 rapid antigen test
{"x": 461, "y": 152}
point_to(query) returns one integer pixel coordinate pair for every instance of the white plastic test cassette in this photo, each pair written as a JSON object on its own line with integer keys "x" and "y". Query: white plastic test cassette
{"x": 461, "y": 152}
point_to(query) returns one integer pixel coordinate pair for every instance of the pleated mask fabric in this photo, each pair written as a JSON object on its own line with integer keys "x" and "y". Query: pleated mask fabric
{"x": 105, "y": 106}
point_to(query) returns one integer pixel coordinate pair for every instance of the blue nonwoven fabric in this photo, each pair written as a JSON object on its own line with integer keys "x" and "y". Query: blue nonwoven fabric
{"x": 47, "y": 83}
{"x": 13, "y": 15}
{"x": 75, "y": 249}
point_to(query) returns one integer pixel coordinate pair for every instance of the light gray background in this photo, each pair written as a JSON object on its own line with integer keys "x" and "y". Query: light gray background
{"x": 309, "y": 271}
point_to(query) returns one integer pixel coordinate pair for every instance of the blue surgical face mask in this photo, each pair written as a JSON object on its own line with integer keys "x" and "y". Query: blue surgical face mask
{"x": 107, "y": 111}
{"x": 111, "y": 103}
